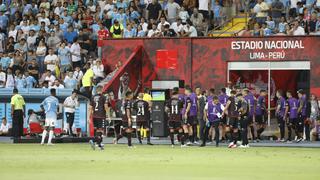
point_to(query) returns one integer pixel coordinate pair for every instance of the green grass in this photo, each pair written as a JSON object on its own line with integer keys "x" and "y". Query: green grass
{"x": 78, "y": 161}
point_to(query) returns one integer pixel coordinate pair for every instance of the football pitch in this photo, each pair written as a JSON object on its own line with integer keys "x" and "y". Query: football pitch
{"x": 80, "y": 162}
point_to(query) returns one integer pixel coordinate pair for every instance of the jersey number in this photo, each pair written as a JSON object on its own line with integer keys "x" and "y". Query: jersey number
{"x": 174, "y": 109}
{"x": 96, "y": 108}
{"x": 140, "y": 111}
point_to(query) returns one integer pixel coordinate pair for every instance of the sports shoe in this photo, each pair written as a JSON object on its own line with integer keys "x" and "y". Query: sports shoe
{"x": 202, "y": 145}
{"x": 92, "y": 145}
{"x": 242, "y": 146}
{"x": 234, "y": 146}
{"x": 289, "y": 142}
{"x": 101, "y": 147}
{"x": 189, "y": 143}
{"x": 50, "y": 144}
{"x": 230, "y": 145}
{"x": 184, "y": 146}
{"x": 196, "y": 142}
{"x": 114, "y": 141}
{"x": 299, "y": 140}
{"x": 172, "y": 145}
{"x": 131, "y": 147}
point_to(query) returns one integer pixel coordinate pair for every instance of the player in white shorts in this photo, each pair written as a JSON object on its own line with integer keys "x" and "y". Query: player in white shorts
{"x": 50, "y": 105}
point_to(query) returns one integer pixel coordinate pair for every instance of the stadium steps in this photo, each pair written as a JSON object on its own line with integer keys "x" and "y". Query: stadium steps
{"x": 234, "y": 26}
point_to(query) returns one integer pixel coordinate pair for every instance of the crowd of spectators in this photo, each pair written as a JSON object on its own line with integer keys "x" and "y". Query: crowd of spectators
{"x": 57, "y": 43}
{"x": 283, "y": 17}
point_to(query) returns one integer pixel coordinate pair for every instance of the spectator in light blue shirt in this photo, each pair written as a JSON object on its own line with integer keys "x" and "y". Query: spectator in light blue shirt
{"x": 121, "y": 17}
{"x": 134, "y": 15}
{"x": 122, "y": 4}
{"x": 30, "y": 80}
{"x": 282, "y": 25}
{"x": 141, "y": 33}
{"x": 129, "y": 32}
{"x": 3, "y": 20}
{"x": 64, "y": 57}
{"x": 270, "y": 23}
{"x": 5, "y": 60}
{"x": 70, "y": 82}
{"x": 20, "y": 82}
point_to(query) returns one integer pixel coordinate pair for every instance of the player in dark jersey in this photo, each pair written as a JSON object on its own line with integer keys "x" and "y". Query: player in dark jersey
{"x": 127, "y": 117}
{"x": 223, "y": 99}
{"x": 98, "y": 110}
{"x": 302, "y": 111}
{"x": 292, "y": 113}
{"x": 280, "y": 114}
{"x": 261, "y": 111}
{"x": 243, "y": 110}
{"x": 143, "y": 117}
{"x": 173, "y": 108}
{"x": 190, "y": 113}
{"x": 249, "y": 97}
{"x": 232, "y": 119}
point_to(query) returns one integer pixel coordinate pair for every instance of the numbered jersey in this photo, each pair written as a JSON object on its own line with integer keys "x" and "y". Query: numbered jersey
{"x": 175, "y": 107}
{"x": 127, "y": 106}
{"x": 142, "y": 109}
{"x": 97, "y": 102}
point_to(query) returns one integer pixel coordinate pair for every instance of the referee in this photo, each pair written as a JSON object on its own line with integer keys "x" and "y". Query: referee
{"x": 70, "y": 105}
{"x": 17, "y": 114}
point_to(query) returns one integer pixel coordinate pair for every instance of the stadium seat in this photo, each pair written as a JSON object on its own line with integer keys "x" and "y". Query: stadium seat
{"x": 35, "y": 128}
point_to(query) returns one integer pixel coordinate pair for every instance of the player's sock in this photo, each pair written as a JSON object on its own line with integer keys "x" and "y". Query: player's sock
{"x": 289, "y": 132}
{"x": 148, "y": 136}
{"x": 139, "y": 137}
{"x": 185, "y": 137}
{"x": 119, "y": 136}
{"x": 44, "y": 134}
{"x": 179, "y": 136}
{"x": 195, "y": 130}
{"x": 98, "y": 138}
{"x": 252, "y": 132}
{"x": 129, "y": 139}
{"x": 191, "y": 139}
{"x": 235, "y": 137}
{"x": 182, "y": 139}
{"x": 259, "y": 132}
{"x": 50, "y": 136}
{"x": 172, "y": 137}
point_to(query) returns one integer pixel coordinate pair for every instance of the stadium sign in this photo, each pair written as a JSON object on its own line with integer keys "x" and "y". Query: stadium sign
{"x": 278, "y": 48}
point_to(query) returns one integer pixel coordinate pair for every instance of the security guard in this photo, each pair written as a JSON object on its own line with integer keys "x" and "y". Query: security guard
{"x": 17, "y": 114}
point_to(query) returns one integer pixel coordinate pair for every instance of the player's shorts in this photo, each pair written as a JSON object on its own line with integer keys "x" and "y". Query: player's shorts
{"x": 174, "y": 124}
{"x": 192, "y": 120}
{"x": 250, "y": 120}
{"x": 300, "y": 123}
{"x": 144, "y": 124}
{"x": 293, "y": 121}
{"x": 260, "y": 119}
{"x": 98, "y": 123}
{"x": 215, "y": 123}
{"x": 224, "y": 120}
{"x": 125, "y": 125}
{"x": 233, "y": 122}
{"x": 50, "y": 121}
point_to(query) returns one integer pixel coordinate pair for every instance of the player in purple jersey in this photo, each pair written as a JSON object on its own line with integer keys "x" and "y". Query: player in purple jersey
{"x": 280, "y": 114}
{"x": 292, "y": 113}
{"x": 212, "y": 115}
{"x": 261, "y": 111}
{"x": 191, "y": 111}
{"x": 302, "y": 113}
{"x": 249, "y": 97}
